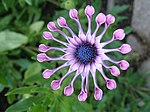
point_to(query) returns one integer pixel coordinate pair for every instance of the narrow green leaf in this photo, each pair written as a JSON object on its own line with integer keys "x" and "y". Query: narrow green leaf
{"x": 78, "y": 106}
{"x": 5, "y": 5}
{"x": 29, "y": 2}
{"x": 5, "y": 21}
{"x": 128, "y": 30}
{"x": 36, "y": 27}
{"x": 10, "y": 40}
{"x": 121, "y": 18}
{"x": 24, "y": 104}
{"x": 25, "y": 90}
{"x": 3, "y": 79}
{"x": 66, "y": 104}
{"x": 35, "y": 79}
{"x": 119, "y": 9}
{"x": 1, "y": 88}
{"x": 33, "y": 69}
{"x": 11, "y": 99}
{"x": 21, "y": 3}
{"x": 38, "y": 108}
{"x": 23, "y": 63}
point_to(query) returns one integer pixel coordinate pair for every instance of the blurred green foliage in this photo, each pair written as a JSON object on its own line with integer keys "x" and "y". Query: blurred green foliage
{"x": 21, "y": 25}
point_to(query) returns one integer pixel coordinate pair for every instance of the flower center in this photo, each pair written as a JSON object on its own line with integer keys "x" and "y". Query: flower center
{"x": 85, "y": 53}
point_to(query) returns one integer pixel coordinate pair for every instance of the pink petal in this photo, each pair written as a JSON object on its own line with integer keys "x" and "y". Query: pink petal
{"x": 111, "y": 84}
{"x": 71, "y": 62}
{"x": 61, "y": 22}
{"x": 55, "y": 84}
{"x": 72, "y": 46}
{"x": 100, "y": 18}
{"x": 119, "y": 34}
{"x": 68, "y": 56}
{"x": 43, "y": 48}
{"x": 81, "y": 68}
{"x": 82, "y": 96}
{"x": 47, "y": 73}
{"x": 125, "y": 48}
{"x": 110, "y": 19}
{"x": 114, "y": 71}
{"x": 77, "y": 40}
{"x": 70, "y": 50}
{"x": 83, "y": 37}
{"x": 98, "y": 94}
{"x": 47, "y": 35}
{"x": 68, "y": 90}
{"x": 92, "y": 41}
{"x": 42, "y": 57}
{"x": 89, "y": 10}
{"x": 72, "y": 41}
{"x": 123, "y": 64}
{"x": 75, "y": 66}
{"x": 73, "y": 13}
{"x": 51, "y": 26}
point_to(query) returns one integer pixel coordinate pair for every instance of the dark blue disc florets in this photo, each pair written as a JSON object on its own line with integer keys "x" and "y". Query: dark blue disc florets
{"x": 85, "y": 53}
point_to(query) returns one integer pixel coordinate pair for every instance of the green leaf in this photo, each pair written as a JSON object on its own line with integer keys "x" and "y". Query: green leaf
{"x": 121, "y": 18}
{"x": 66, "y": 104}
{"x": 33, "y": 69}
{"x": 1, "y": 88}
{"x": 38, "y": 108}
{"x": 24, "y": 104}
{"x": 128, "y": 30}
{"x": 78, "y": 106}
{"x": 21, "y": 3}
{"x": 16, "y": 74}
{"x": 11, "y": 40}
{"x": 5, "y": 21}
{"x": 36, "y": 27}
{"x": 5, "y": 5}
{"x": 119, "y": 9}
{"x": 68, "y": 4}
{"x": 24, "y": 63}
{"x": 38, "y": 79}
{"x": 11, "y": 99}
{"x": 25, "y": 90}
{"x": 3, "y": 79}
{"x": 29, "y": 2}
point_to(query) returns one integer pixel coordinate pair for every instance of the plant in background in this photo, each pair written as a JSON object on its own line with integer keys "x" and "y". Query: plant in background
{"x": 84, "y": 53}
{"x": 22, "y": 88}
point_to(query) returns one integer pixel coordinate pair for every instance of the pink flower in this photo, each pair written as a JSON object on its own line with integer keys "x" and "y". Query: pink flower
{"x": 84, "y": 53}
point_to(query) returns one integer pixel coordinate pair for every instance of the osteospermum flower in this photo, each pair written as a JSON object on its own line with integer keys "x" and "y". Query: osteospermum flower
{"x": 84, "y": 53}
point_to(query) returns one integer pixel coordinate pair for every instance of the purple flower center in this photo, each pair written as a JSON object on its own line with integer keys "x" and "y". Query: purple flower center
{"x": 85, "y": 53}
